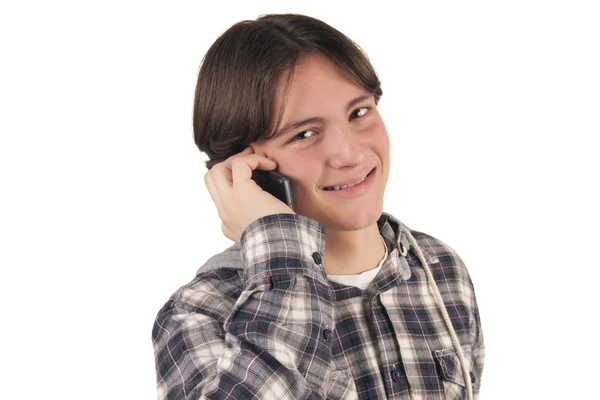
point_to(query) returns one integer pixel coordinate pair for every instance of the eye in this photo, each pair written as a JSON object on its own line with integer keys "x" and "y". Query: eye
{"x": 302, "y": 135}
{"x": 359, "y": 112}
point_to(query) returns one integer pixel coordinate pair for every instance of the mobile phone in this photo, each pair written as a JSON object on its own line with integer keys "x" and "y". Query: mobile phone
{"x": 275, "y": 183}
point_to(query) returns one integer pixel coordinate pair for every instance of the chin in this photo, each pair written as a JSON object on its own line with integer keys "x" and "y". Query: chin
{"x": 342, "y": 215}
{"x": 347, "y": 220}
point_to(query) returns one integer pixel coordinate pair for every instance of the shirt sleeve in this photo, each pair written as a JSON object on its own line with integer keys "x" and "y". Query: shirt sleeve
{"x": 273, "y": 340}
{"x": 478, "y": 345}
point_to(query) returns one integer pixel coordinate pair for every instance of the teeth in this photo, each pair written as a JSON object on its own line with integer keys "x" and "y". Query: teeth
{"x": 346, "y": 186}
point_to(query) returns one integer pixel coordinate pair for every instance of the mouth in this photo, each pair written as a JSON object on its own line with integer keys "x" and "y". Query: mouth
{"x": 336, "y": 188}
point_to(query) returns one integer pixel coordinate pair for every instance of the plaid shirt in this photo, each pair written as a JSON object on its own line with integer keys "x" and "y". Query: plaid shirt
{"x": 261, "y": 320}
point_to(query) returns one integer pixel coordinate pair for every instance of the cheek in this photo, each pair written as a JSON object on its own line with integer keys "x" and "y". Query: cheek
{"x": 383, "y": 139}
{"x": 385, "y": 146}
{"x": 298, "y": 165}
{"x": 381, "y": 145}
{"x": 303, "y": 174}
{"x": 379, "y": 127}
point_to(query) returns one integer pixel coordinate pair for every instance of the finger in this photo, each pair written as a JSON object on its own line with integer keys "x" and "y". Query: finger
{"x": 241, "y": 168}
{"x": 220, "y": 168}
{"x": 222, "y": 179}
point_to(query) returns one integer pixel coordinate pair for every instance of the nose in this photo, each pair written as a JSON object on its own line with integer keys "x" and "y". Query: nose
{"x": 343, "y": 148}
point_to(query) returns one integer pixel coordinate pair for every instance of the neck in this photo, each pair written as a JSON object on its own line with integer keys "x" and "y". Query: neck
{"x": 353, "y": 252}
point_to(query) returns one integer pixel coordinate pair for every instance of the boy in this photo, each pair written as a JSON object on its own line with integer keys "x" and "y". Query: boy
{"x": 334, "y": 299}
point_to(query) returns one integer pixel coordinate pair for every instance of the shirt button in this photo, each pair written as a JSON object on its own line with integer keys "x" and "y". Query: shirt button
{"x": 317, "y": 257}
{"x": 396, "y": 374}
{"x": 327, "y": 335}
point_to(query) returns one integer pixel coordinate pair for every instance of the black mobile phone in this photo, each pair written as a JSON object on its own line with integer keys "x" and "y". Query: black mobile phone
{"x": 275, "y": 183}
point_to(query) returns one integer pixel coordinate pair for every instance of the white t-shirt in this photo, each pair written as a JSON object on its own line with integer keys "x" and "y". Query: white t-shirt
{"x": 362, "y": 280}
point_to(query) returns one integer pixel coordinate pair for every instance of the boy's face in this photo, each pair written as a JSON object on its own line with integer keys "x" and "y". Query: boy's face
{"x": 341, "y": 145}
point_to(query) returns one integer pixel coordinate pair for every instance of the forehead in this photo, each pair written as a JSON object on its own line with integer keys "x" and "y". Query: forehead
{"x": 312, "y": 75}
{"x": 315, "y": 85}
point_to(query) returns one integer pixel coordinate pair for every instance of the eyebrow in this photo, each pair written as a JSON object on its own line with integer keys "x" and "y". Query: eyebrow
{"x": 297, "y": 124}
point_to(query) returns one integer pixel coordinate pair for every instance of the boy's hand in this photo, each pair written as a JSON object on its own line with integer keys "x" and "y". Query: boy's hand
{"x": 239, "y": 200}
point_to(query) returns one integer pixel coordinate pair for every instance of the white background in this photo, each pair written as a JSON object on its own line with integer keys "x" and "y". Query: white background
{"x": 493, "y": 114}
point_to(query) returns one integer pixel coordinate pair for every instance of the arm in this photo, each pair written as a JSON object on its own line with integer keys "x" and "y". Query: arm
{"x": 266, "y": 343}
{"x": 477, "y": 344}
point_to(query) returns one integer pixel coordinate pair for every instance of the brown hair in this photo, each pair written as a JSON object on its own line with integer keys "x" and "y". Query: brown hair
{"x": 240, "y": 72}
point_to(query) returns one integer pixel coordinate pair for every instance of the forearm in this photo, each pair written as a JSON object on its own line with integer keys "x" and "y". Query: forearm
{"x": 286, "y": 307}
{"x": 270, "y": 341}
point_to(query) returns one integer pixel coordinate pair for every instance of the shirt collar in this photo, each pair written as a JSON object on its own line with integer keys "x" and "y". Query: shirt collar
{"x": 392, "y": 230}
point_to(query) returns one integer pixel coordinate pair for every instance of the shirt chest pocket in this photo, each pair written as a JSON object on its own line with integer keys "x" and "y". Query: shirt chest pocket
{"x": 451, "y": 372}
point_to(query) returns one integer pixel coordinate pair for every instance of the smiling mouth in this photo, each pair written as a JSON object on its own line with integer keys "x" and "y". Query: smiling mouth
{"x": 350, "y": 185}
